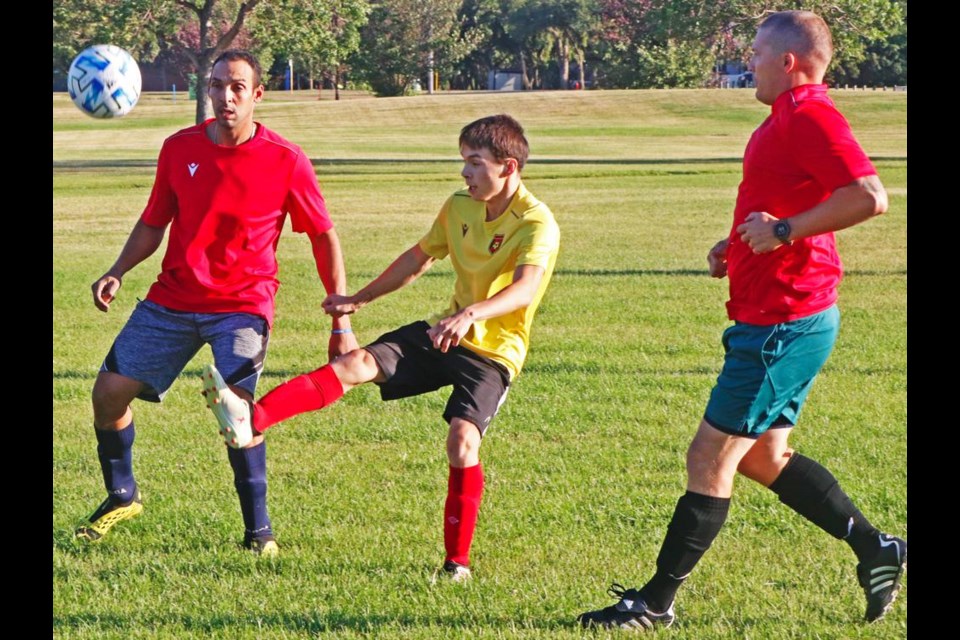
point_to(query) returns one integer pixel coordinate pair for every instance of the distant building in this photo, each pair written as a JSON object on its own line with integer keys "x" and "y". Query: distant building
{"x": 504, "y": 81}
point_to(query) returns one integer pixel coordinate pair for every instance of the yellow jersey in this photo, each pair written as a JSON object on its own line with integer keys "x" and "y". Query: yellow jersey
{"x": 484, "y": 256}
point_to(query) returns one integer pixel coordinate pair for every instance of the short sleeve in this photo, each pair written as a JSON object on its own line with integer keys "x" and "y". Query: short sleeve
{"x": 305, "y": 203}
{"x": 162, "y": 205}
{"x": 434, "y": 243}
{"x": 825, "y": 148}
{"x": 541, "y": 244}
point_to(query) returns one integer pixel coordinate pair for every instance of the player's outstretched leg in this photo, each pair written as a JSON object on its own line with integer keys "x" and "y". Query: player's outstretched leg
{"x": 240, "y": 420}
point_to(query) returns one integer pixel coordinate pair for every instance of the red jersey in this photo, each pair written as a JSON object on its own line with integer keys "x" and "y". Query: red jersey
{"x": 795, "y": 160}
{"x": 227, "y": 206}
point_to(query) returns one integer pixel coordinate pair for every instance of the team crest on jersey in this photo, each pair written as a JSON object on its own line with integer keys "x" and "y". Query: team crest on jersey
{"x": 464, "y": 228}
{"x": 495, "y": 243}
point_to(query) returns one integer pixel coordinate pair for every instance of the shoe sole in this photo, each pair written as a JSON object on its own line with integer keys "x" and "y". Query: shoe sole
{"x": 893, "y": 594}
{"x": 96, "y": 531}
{"x": 213, "y": 388}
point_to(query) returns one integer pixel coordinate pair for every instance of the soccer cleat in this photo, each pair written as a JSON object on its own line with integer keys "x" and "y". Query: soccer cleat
{"x": 880, "y": 577}
{"x": 456, "y": 572}
{"x": 264, "y": 546}
{"x": 108, "y": 514}
{"x": 630, "y": 613}
{"x": 232, "y": 411}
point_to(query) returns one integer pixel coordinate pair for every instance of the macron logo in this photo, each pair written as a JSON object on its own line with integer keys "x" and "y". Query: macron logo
{"x": 192, "y": 167}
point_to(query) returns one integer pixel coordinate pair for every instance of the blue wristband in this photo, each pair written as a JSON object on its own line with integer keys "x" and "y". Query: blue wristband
{"x": 340, "y": 332}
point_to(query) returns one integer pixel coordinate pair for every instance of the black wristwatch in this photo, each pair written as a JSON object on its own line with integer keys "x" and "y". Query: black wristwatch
{"x": 781, "y": 231}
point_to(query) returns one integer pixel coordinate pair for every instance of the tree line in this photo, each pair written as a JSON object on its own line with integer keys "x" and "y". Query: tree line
{"x": 391, "y": 46}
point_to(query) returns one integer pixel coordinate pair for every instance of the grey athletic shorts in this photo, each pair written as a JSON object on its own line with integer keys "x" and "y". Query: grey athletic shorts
{"x": 157, "y": 343}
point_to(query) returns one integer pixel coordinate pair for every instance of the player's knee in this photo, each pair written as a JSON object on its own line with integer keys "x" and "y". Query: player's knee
{"x": 355, "y": 367}
{"x": 463, "y": 443}
{"x": 111, "y": 399}
{"x": 764, "y": 463}
{"x": 700, "y": 459}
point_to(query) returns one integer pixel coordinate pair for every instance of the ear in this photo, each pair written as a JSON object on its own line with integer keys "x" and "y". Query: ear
{"x": 510, "y": 165}
{"x": 258, "y": 93}
{"x": 790, "y": 62}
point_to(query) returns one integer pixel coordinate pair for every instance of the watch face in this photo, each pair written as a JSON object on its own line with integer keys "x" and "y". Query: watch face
{"x": 781, "y": 230}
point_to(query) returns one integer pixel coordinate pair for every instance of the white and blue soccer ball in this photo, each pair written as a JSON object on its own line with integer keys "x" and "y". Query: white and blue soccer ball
{"x": 104, "y": 81}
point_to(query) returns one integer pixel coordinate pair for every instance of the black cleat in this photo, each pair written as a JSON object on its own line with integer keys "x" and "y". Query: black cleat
{"x": 880, "y": 577}
{"x": 630, "y": 613}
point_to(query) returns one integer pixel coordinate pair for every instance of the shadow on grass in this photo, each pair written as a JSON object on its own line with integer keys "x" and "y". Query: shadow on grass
{"x": 329, "y": 621}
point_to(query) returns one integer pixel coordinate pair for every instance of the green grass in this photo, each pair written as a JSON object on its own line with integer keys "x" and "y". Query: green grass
{"x": 585, "y": 461}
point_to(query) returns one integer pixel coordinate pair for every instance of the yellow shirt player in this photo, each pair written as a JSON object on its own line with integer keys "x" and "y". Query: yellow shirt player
{"x": 485, "y": 255}
{"x": 503, "y": 245}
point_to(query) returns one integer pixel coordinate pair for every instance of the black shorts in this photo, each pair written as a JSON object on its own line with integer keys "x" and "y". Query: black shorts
{"x": 412, "y": 365}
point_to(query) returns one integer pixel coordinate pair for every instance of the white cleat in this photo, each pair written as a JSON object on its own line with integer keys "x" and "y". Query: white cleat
{"x": 232, "y": 411}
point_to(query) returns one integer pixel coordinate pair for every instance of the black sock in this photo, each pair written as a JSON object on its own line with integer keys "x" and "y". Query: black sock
{"x": 250, "y": 480}
{"x": 115, "y": 452}
{"x": 697, "y": 520}
{"x": 810, "y": 489}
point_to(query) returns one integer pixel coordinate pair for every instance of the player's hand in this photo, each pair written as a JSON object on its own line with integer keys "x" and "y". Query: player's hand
{"x": 341, "y": 343}
{"x": 105, "y": 290}
{"x": 756, "y": 231}
{"x": 337, "y": 305}
{"x": 449, "y": 331}
{"x": 717, "y": 259}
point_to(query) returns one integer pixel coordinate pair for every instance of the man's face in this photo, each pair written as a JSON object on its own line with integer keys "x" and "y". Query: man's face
{"x": 485, "y": 175}
{"x": 233, "y": 93}
{"x": 767, "y": 65}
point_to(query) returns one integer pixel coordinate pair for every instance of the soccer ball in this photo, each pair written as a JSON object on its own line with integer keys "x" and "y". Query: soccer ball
{"x": 104, "y": 81}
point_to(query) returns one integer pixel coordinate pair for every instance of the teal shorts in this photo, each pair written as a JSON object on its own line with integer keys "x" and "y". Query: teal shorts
{"x": 768, "y": 371}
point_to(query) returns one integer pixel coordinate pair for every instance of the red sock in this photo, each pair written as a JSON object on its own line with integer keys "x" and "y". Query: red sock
{"x": 308, "y": 392}
{"x": 464, "y": 490}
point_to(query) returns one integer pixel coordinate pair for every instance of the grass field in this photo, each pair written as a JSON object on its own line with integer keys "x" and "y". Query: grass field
{"x": 585, "y": 461}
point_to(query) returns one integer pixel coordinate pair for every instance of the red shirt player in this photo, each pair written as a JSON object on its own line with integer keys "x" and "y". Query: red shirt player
{"x": 804, "y": 177}
{"x": 224, "y": 188}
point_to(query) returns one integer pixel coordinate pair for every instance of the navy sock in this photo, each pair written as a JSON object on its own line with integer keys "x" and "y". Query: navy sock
{"x": 697, "y": 520}
{"x": 250, "y": 480}
{"x": 810, "y": 489}
{"x": 115, "y": 451}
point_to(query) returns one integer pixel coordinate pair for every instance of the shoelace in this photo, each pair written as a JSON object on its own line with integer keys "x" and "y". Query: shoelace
{"x": 619, "y": 591}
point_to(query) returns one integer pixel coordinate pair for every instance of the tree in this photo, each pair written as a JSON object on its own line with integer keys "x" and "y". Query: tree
{"x": 318, "y": 35}
{"x": 198, "y": 32}
{"x": 672, "y": 42}
{"x": 211, "y": 41}
{"x": 405, "y": 39}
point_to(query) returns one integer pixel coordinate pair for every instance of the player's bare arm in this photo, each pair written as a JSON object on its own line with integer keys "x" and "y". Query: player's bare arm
{"x": 717, "y": 259}
{"x": 409, "y": 266}
{"x": 140, "y": 245}
{"x": 329, "y": 258}
{"x": 849, "y": 205}
{"x": 518, "y": 294}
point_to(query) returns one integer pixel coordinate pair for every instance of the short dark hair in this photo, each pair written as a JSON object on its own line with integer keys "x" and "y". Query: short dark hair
{"x": 804, "y": 33}
{"x": 242, "y": 54}
{"x": 501, "y": 135}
